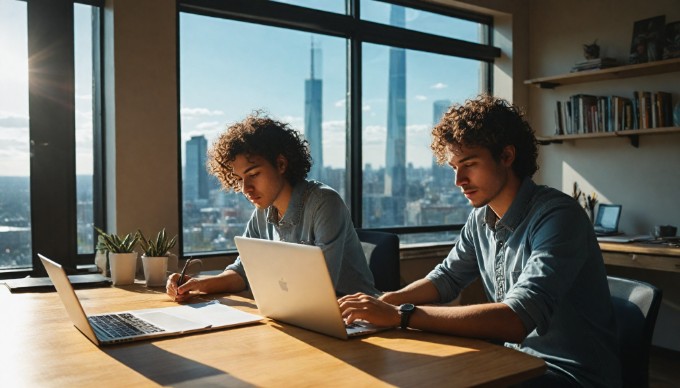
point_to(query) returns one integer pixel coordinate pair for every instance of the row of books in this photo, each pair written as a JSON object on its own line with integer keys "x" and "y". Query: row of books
{"x": 585, "y": 113}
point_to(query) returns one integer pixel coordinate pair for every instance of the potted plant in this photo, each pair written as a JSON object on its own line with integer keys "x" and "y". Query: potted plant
{"x": 155, "y": 253}
{"x": 122, "y": 255}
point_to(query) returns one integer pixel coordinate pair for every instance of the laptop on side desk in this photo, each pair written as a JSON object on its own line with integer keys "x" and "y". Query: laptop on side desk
{"x": 126, "y": 326}
{"x": 290, "y": 283}
{"x": 607, "y": 220}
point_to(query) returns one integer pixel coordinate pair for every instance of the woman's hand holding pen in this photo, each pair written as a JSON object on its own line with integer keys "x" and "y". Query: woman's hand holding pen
{"x": 181, "y": 293}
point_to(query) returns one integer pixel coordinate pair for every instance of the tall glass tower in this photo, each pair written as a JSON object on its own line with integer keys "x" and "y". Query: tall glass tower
{"x": 442, "y": 175}
{"x": 313, "y": 114}
{"x": 196, "y": 175}
{"x": 395, "y": 164}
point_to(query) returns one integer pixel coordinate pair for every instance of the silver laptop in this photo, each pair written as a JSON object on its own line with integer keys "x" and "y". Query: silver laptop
{"x": 290, "y": 283}
{"x": 125, "y": 326}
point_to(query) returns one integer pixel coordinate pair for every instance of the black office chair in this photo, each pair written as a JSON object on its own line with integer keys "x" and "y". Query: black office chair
{"x": 636, "y": 305}
{"x": 382, "y": 253}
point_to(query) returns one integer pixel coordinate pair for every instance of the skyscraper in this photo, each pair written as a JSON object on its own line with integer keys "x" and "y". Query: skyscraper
{"x": 442, "y": 175}
{"x": 313, "y": 114}
{"x": 395, "y": 164}
{"x": 196, "y": 175}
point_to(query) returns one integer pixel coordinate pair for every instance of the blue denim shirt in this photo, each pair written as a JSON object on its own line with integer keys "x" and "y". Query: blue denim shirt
{"x": 317, "y": 215}
{"x": 542, "y": 259}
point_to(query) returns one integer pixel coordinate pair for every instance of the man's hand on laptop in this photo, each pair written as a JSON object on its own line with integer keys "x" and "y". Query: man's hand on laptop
{"x": 183, "y": 292}
{"x": 363, "y": 307}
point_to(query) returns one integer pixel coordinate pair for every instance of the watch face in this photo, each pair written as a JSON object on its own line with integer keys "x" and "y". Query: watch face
{"x": 407, "y": 308}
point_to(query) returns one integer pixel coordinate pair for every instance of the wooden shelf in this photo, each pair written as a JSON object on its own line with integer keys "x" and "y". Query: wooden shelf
{"x": 627, "y": 71}
{"x": 633, "y": 134}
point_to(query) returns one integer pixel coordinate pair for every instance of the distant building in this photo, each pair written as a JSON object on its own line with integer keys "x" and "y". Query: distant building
{"x": 395, "y": 164}
{"x": 196, "y": 185}
{"x": 442, "y": 175}
{"x": 313, "y": 114}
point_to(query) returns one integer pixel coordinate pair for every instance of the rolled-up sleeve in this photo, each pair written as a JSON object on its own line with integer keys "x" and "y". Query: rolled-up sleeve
{"x": 458, "y": 270}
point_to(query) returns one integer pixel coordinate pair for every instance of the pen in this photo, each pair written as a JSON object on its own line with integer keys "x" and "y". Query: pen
{"x": 184, "y": 270}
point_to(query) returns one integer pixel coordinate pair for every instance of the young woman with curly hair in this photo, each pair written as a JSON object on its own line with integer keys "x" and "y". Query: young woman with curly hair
{"x": 533, "y": 247}
{"x": 268, "y": 161}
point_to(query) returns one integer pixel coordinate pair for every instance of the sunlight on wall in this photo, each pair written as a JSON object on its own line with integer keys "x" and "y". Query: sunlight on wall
{"x": 570, "y": 175}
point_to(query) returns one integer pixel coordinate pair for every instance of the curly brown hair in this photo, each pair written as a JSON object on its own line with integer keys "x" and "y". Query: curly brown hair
{"x": 488, "y": 122}
{"x": 259, "y": 135}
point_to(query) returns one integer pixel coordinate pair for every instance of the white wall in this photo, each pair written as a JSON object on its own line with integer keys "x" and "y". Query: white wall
{"x": 645, "y": 180}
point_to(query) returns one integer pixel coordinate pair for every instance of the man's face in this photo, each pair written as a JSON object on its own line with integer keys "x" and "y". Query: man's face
{"x": 480, "y": 177}
{"x": 261, "y": 182}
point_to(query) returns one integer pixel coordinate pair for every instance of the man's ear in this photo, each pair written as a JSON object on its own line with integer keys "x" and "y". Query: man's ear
{"x": 281, "y": 164}
{"x": 508, "y": 155}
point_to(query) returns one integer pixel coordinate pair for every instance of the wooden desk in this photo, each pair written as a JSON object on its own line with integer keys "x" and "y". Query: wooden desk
{"x": 638, "y": 255}
{"x": 41, "y": 348}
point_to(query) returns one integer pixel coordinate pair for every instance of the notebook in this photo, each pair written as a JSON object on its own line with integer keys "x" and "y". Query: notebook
{"x": 126, "y": 326}
{"x": 607, "y": 220}
{"x": 291, "y": 284}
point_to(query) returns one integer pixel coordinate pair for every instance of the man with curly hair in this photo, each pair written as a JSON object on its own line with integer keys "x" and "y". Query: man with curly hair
{"x": 533, "y": 247}
{"x": 268, "y": 161}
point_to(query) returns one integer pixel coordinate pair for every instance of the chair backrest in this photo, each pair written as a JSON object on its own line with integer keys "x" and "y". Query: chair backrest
{"x": 382, "y": 253}
{"x": 636, "y": 305}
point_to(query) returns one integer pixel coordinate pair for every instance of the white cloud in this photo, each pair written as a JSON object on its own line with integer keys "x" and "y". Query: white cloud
{"x": 208, "y": 125}
{"x": 13, "y": 121}
{"x": 439, "y": 85}
{"x": 420, "y": 97}
{"x": 340, "y": 103}
{"x": 194, "y": 112}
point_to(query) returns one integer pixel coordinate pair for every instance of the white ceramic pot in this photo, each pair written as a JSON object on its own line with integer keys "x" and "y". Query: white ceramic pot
{"x": 123, "y": 267}
{"x": 155, "y": 270}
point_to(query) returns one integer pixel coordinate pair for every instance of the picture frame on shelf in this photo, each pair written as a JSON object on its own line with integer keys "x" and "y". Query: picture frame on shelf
{"x": 648, "y": 38}
{"x": 671, "y": 47}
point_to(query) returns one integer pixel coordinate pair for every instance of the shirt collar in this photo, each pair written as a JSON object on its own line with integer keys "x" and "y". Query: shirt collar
{"x": 517, "y": 209}
{"x": 294, "y": 211}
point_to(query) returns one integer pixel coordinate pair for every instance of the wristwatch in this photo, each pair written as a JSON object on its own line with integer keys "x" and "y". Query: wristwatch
{"x": 405, "y": 310}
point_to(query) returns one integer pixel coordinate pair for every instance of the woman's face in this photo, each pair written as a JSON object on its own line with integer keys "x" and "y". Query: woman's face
{"x": 261, "y": 182}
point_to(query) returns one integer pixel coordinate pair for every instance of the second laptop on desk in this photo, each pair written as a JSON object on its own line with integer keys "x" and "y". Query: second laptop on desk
{"x": 290, "y": 283}
{"x": 106, "y": 329}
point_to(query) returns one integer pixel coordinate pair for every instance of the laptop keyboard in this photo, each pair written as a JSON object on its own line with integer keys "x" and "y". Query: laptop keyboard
{"x": 121, "y": 326}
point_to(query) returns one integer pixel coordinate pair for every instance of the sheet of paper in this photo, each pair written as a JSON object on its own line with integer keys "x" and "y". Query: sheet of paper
{"x": 209, "y": 314}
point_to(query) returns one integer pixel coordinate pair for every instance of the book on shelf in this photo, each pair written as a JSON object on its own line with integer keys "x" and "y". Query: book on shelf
{"x": 592, "y": 64}
{"x": 585, "y": 113}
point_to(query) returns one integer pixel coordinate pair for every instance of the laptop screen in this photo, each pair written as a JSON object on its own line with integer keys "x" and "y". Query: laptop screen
{"x": 608, "y": 216}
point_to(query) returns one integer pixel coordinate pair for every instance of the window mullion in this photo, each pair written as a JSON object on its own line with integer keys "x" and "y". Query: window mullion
{"x": 52, "y": 131}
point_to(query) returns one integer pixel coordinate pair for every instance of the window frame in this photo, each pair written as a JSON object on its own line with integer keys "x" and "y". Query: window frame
{"x": 357, "y": 31}
{"x": 53, "y": 195}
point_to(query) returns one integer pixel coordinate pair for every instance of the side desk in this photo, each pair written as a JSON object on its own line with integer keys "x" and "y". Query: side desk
{"x": 640, "y": 255}
{"x": 42, "y": 348}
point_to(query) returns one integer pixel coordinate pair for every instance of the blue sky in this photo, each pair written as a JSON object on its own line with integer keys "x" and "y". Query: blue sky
{"x": 228, "y": 69}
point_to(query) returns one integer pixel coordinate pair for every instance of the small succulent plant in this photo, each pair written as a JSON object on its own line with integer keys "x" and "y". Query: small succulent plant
{"x": 156, "y": 247}
{"x": 114, "y": 243}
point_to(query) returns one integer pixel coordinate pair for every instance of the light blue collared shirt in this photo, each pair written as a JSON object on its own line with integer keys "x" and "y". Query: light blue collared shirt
{"x": 542, "y": 259}
{"x": 317, "y": 215}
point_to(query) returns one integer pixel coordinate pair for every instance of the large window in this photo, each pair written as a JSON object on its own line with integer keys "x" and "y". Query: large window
{"x": 295, "y": 77}
{"x": 406, "y": 92}
{"x": 47, "y": 127}
{"x": 15, "y": 198}
{"x": 376, "y": 83}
